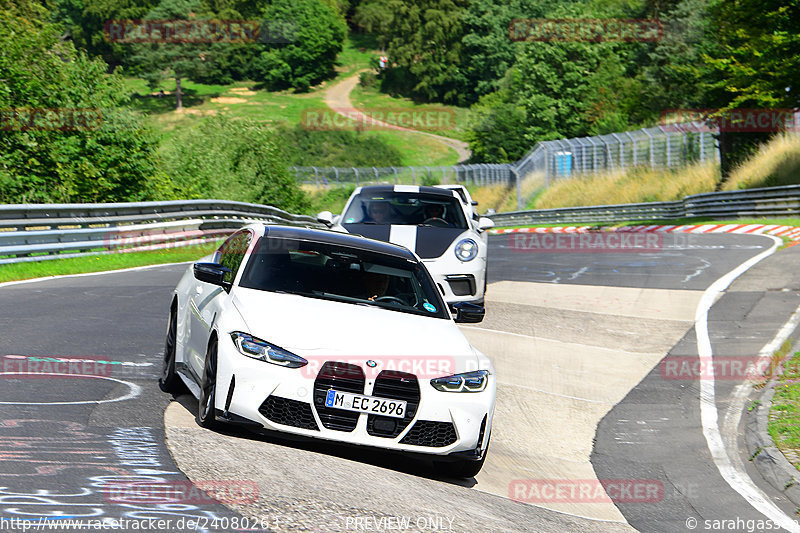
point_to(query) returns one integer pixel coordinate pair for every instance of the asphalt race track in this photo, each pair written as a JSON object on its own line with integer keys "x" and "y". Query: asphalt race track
{"x": 576, "y": 339}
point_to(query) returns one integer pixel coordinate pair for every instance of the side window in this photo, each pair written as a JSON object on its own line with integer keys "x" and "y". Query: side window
{"x": 231, "y": 253}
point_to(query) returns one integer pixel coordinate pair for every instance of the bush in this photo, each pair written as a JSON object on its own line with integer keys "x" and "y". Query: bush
{"x": 231, "y": 160}
{"x": 333, "y": 148}
{"x": 368, "y": 79}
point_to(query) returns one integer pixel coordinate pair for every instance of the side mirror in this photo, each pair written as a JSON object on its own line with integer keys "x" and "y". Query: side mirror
{"x": 326, "y": 217}
{"x": 485, "y": 223}
{"x": 212, "y": 273}
{"x": 467, "y": 313}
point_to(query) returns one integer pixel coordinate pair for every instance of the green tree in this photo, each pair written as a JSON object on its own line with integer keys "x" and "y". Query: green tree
{"x": 756, "y": 65}
{"x": 155, "y": 60}
{"x": 111, "y": 157}
{"x": 314, "y": 35}
{"x": 84, "y": 22}
{"x": 488, "y": 50}
{"x": 424, "y": 50}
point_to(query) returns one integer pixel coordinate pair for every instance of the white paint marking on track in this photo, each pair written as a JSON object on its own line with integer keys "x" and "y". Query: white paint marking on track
{"x": 739, "y": 395}
{"x": 735, "y": 477}
{"x": 134, "y": 392}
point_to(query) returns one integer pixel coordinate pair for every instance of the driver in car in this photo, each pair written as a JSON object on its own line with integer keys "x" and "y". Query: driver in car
{"x": 435, "y": 212}
{"x": 375, "y": 285}
{"x": 380, "y": 212}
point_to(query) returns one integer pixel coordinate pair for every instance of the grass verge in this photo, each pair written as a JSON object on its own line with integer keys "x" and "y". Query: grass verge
{"x": 633, "y": 186}
{"x": 445, "y": 120}
{"x": 784, "y": 418}
{"x": 103, "y": 262}
{"x": 776, "y": 163}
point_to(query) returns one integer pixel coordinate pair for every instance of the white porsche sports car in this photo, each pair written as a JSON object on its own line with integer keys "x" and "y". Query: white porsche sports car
{"x": 436, "y": 223}
{"x": 332, "y": 336}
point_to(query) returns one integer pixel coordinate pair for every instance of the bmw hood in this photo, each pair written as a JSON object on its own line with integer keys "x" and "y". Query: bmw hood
{"x": 428, "y": 242}
{"x": 322, "y": 330}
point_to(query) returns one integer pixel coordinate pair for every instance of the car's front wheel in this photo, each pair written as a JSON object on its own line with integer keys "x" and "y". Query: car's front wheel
{"x": 206, "y": 412}
{"x": 169, "y": 380}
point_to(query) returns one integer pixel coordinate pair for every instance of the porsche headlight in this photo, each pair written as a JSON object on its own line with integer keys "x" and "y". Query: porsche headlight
{"x": 466, "y": 250}
{"x": 264, "y": 351}
{"x": 467, "y": 382}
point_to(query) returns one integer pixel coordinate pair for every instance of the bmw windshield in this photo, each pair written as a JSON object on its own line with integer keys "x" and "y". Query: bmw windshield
{"x": 350, "y": 275}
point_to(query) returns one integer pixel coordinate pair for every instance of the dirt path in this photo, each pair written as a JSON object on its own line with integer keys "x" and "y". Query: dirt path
{"x": 337, "y": 97}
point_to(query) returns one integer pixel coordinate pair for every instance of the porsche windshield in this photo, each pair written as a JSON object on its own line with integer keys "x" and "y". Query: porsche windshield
{"x": 350, "y": 275}
{"x": 405, "y": 209}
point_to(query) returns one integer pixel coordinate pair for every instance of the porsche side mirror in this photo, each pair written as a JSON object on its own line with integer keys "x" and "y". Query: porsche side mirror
{"x": 212, "y": 273}
{"x": 467, "y": 313}
{"x": 485, "y": 223}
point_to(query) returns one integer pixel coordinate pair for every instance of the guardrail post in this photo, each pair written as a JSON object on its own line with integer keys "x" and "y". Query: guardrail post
{"x": 413, "y": 179}
{"x": 518, "y": 187}
{"x": 394, "y": 169}
{"x": 355, "y": 171}
{"x": 375, "y": 170}
{"x": 336, "y": 172}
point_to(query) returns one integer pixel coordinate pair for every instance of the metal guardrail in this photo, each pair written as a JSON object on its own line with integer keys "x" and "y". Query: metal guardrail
{"x": 765, "y": 202}
{"x": 36, "y": 232}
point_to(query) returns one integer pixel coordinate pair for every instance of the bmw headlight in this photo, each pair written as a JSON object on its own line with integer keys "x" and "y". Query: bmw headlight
{"x": 467, "y": 382}
{"x": 264, "y": 351}
{"x": 466, "y": 250}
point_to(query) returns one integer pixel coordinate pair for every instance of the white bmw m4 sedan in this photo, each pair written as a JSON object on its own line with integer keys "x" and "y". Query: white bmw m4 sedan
{"x": 331, "y": 336}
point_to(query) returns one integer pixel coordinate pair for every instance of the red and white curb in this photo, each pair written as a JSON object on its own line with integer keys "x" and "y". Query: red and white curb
{"x": 790, "y": 232}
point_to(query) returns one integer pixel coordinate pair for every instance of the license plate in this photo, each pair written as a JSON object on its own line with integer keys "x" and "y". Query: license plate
{"x": 365, "y": 404}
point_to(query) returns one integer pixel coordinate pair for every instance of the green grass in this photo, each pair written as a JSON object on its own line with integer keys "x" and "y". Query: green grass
{"x": 784, "y": 423}
{"x": 357, "y": 54}
{"x": 455, "y": 119}
{"x": 419, "y": 150}
{"x": 238, "y": 100}
{"x": 102, "y": 262}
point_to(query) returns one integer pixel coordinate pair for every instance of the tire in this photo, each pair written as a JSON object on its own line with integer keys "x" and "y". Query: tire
{"x": 169, "y": 380}
{"x": 206, "y": 412}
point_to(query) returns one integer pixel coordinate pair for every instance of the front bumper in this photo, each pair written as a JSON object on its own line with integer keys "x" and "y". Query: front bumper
{"x": 292, "y": 401}
{"x": 459, "y": 281}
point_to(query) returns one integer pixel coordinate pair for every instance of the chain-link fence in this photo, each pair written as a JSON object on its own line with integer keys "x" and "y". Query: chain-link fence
{"x": 357, "y": 176}
{"x": 660, "y": 147}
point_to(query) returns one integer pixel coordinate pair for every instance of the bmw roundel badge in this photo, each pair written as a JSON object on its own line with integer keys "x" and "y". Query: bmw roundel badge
{"x": 371, "y": 363}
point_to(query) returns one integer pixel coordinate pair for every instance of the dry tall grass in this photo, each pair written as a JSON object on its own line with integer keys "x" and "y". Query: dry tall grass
{"x": 776, "y": 163}
{"x": 633, "y": 186}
